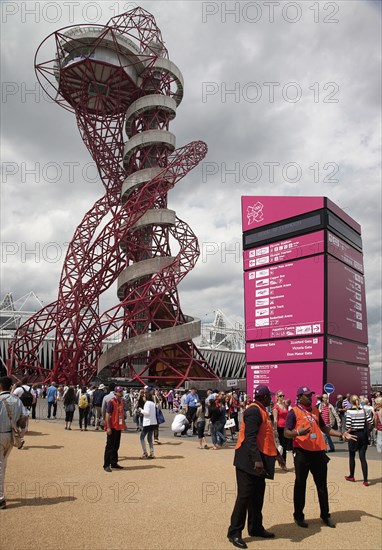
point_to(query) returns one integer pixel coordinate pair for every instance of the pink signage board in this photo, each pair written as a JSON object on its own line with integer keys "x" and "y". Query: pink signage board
{"x": 285, "y": 300}
{"x": 346, "y": 302}
{"x": 282, "y": 251}
{"x": 349, "y": 352}
{"x": 298, "y": 349}
{"x": 286, "y": 376}
{"x": 263, "y": 210}
{"x": 353, "y": 379}
{"x": 344, "y": 252}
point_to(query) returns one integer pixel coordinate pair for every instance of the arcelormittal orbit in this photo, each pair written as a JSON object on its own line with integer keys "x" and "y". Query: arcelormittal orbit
{"x": 124, "y": 91}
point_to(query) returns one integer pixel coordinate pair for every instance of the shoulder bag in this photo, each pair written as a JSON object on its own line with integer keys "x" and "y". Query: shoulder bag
{"x": 160, "y": 416}
{"x": 17, "y": 440}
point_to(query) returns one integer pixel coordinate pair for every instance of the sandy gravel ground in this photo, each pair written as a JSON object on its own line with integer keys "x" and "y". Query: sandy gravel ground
{"x": 59, "y": 497}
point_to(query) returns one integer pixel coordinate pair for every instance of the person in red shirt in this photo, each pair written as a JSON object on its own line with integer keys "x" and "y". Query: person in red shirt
{"x": 234, "y": 408}
{"x": 330, "y": 417}
{"x": 114, "y": 424}
{"x": 280, "y": 411}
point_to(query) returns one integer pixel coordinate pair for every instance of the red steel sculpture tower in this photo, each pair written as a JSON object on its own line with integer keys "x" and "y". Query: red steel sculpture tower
{"x": 124, "y": 91}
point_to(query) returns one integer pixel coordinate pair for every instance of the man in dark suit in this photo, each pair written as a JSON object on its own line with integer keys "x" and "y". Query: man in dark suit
{"x": 254, "y": 460}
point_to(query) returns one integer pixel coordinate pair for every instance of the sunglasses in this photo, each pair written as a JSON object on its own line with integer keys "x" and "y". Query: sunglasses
{"x": 281, "y": 395}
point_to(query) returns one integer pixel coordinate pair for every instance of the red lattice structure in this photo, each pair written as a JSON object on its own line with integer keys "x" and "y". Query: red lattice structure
{"x": 124, "y": 91}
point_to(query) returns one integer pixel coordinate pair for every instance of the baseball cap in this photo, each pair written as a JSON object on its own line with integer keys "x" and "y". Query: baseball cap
{"x": 262, "y": 390}
{"x": 101, "y": 387}
{"x": 118, "y": 389}
{"x": 148, "y": 388}
{"x": 304, "y": 390}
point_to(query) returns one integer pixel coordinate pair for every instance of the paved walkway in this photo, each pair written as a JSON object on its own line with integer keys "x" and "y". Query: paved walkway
{"x": 59, "y": 497}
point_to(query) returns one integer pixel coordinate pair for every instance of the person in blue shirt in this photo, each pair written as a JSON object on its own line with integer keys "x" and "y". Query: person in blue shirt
{"x": 191, "y": 403}
{"x": 51, "y": 395}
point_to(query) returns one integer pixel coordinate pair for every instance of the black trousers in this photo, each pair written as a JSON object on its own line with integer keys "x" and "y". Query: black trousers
{"x": 111, "y": 450}
{"x": 315, "y": 462}
{"x": 191, "y": 417}
{"x": 283, "y": 441}
{"x": 83, "y": 417}
{"x": 249, "y": 500}
{"x": 361, "y": 446}
{"x": 156, "y": 432}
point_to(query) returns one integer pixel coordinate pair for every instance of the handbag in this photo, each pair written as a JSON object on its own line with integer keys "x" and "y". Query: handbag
{"x": 17, "y": 439}
{"x": 230, "y": 423}
{"x": 160, "y": 416}
{"x": 368, "y": 427}
{"x": 70, "y": 408}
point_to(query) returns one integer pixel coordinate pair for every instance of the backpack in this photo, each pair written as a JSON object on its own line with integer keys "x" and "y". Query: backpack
{"x": 27, "y": 398}
{"x": 98, "y": 396}
{"x": 83, "y": 401}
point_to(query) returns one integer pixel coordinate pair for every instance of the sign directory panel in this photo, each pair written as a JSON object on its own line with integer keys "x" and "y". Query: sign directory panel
{"x": 344, "y": 252}
{"x": 298, "y": 349}
{"x": 304, "y": 292}
{"x": 285, "y": 300}
{"x": 347, "y": 351}
{"x": 286, "y": 250}
{"x": 346, "y": 302}
{"x": 354, "y": 379}
{"x": 286, "y": 376}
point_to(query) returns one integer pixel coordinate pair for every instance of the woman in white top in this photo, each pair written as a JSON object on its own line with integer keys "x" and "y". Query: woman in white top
{"x": 148, "y": 424}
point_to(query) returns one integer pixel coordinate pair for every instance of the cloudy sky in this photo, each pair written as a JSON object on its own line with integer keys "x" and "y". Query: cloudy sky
{"x": 294, "y": 85}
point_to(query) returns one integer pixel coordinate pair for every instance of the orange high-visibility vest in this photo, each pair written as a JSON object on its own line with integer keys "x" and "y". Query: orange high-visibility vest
{"x": 116, "y": 415}
{"x": 265, "y": 439}
{"x": 306, "y": 418}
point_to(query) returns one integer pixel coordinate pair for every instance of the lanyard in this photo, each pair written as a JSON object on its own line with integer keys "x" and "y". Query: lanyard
{"x": 310, "y": 417}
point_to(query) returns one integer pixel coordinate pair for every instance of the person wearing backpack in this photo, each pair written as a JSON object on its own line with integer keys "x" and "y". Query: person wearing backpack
{"x": 11, "y": 411}
{"x": 98, "y": 396}
{"x": 83, "y": 408}
{"x": 24, "y": 393}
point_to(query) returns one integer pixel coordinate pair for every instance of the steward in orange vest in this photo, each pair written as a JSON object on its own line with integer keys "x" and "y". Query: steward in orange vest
{"x": 304, "y": 424}
{"x": 255, "y": 456}
{"x": 309, "y": 417}
{"x": 115, "y": 419}
{"x": 265, "y": 441}
{"x": 114, "y": 424}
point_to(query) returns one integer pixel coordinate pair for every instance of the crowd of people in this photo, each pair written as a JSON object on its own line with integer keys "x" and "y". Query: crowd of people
{"x": 218, "y": 415}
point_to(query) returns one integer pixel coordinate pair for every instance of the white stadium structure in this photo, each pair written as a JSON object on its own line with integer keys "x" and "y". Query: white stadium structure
{"x": 221, "y": 342}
